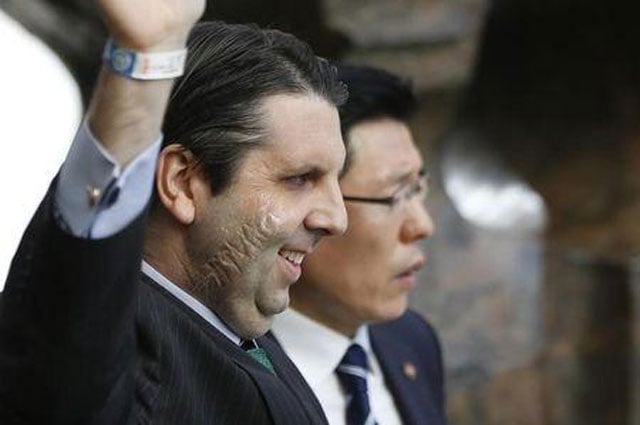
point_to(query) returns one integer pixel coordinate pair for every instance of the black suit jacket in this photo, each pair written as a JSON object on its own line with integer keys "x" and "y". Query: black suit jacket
{"x": 411, "y": 360}
{"x": 410, "y": 357}
{"x": 85, "y": 340}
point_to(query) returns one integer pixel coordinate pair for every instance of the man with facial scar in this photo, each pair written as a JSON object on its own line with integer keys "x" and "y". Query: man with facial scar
{"x": 246, "y": 151}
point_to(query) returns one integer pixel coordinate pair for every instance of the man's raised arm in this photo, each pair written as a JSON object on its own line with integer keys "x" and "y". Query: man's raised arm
{"x": 126, "y": 114}
{"x": 67, "y": 313}
{"x": 106, "y": 179}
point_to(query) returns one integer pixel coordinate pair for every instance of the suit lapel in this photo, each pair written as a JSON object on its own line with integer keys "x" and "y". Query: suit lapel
{"x": 278, "y": 397}
{"x": 280, "y": 402}
{"x": 290, "y": 375}
{"x": 289, "y": 399}
{"x": 406, "y": 379}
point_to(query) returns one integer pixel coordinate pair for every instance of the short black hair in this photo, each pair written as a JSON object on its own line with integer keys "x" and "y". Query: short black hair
{"x": 214, "y": 107}
{"x": 373, "y": 93}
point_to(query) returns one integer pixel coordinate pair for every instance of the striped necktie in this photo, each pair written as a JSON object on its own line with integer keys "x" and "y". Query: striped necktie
{"x": 259, "y": 354}
{"x": 352, "y": 373}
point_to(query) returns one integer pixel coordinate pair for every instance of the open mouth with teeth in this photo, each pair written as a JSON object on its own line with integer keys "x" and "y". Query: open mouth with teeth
{"x": 291, "y": 261}
{"x": 295, "y": 257}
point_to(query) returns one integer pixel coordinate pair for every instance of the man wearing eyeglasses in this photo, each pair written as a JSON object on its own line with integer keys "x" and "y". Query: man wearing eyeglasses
{"x": 367, "y": 358}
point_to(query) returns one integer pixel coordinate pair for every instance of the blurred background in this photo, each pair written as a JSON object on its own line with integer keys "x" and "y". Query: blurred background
{"x": 530, "y": 122}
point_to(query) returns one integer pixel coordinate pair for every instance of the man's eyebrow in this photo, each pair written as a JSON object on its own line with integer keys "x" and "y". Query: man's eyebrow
{"x": 401, "y": 177}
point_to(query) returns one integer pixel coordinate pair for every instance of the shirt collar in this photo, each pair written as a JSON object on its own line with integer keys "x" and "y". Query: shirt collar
{"x": 190, "y": 301}
{"x": 315, "y": 349}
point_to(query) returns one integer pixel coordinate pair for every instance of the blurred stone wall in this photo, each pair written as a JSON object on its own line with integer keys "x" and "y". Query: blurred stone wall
{"x": 634, "y": 400}
{"x": 539, "y": 324}
{"x": 554, "y": 99}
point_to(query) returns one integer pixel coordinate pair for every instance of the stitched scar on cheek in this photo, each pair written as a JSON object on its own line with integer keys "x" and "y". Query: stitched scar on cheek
{"x": 237, "y": 252}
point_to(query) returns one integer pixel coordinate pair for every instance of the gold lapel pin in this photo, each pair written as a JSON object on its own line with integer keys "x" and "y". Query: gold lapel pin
{"x": 93, "y": 193}
{"x": 410, "y": 370}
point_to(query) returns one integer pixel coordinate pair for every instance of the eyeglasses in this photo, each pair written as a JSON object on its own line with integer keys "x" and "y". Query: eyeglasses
{"x": 419, "y": 186}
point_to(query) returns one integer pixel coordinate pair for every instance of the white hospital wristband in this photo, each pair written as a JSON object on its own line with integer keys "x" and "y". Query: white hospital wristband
{"x": 144, "y": 66}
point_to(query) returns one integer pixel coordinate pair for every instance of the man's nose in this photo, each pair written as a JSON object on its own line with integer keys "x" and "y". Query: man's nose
{"x": 329, "y": 214}
{"x": 418, "y": 224}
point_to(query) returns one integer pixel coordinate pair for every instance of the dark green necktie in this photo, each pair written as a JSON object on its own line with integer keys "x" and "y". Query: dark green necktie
{"x": 258, "y": 354}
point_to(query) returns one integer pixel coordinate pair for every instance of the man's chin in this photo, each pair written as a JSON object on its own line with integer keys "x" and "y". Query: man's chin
{"x": 275, "y": 307}
{"x": 260, "y": 325}
{"x": 392, "y": 311}
{"x": 257, "y": 321}
{"x": 255, "y": 329}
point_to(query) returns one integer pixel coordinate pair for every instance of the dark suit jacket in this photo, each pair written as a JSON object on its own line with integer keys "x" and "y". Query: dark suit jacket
{"x": 411, "y": 360}
{"x": 410, "y": 356}
{"x": 85, "y": 340}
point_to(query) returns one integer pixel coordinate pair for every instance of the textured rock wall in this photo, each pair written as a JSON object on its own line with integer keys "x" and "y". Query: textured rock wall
{"x": 538, "y": 328}
{"x": 430, "y": 41}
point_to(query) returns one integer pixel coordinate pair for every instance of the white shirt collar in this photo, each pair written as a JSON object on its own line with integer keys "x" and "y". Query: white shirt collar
{"x": 190, "y": 301}
{"x": 317, "y": 349}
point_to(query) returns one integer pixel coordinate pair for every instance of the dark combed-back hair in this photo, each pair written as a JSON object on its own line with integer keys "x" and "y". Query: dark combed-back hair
{"x": 214, "y": 107}
{"x": 373, "y": 93}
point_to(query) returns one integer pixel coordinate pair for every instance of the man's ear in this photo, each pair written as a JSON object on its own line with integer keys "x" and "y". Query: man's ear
{"x": 177, "y": 180}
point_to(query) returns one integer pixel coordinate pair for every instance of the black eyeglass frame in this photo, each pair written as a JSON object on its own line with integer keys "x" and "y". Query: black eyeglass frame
{"x": 392, "y": 200}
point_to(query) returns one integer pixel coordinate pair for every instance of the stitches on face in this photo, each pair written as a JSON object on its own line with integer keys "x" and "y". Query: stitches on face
{"x": 237, "y": 276}
{"x": 244, "y": 248}
{"x": 229, "y": 262}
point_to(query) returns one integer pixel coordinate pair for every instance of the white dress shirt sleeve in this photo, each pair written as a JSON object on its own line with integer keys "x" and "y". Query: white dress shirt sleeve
{"x": 96, "y": 198}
